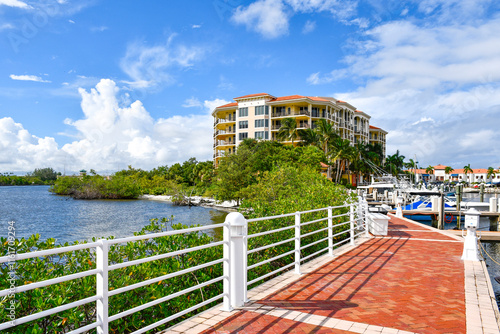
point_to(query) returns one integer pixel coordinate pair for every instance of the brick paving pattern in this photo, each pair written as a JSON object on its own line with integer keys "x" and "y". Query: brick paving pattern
{"x": 252, "y": 322}
{"x": 392, "y": 282}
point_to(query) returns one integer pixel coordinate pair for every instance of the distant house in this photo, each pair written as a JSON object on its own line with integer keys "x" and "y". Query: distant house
{"x": 456, "y": 175}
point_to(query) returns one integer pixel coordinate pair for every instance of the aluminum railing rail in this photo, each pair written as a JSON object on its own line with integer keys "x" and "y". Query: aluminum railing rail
{"x": 356, "y": 222}
{"x": 102, "y": 289}
{"x": 234, "y": 260}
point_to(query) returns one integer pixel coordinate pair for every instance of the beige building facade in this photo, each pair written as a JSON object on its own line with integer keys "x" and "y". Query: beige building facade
{"x": 259, "y": 116}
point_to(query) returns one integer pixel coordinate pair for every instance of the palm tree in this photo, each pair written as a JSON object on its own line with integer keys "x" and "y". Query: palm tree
{"x": 448, "y": 170}
{"x": 395, "y": 163}
{"x": 359, "y": 157}
{"x": 341, "y": 151}
{"x": 309, "y": 137}
{"x": 429, "y": 170}
{"x": 467, "y": 169}
{"x": 412, "y": 165}
{"x": 491, "y": 173}
{"x": 326, "y": 133}
{"x": 288, "y": 130}
{"x": 375, "y": 153}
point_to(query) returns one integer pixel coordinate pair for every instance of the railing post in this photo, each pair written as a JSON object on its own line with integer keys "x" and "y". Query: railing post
{"x": 297, "y": 243}
{"x": 237, "y": 259}
{"x": 330, "y": 231}
{"x": 226, "y": 267}
{"x": 471, "y": 250}
{"x": 351, "y": 218}
{"x": 102, "y": 286}
{"x": 365, "y": 217}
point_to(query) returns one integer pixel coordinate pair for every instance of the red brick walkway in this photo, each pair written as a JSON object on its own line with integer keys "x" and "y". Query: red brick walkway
{"x": 395, "y": 282}
{"x": 412, "y": 280}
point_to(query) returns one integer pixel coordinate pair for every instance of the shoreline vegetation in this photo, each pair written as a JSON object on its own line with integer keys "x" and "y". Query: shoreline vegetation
{"x": 185, "y": 183}
{"x": 40, "y": 176}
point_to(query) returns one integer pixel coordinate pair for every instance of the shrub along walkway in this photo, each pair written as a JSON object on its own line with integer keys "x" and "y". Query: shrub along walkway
{"x": 410, "y": 281}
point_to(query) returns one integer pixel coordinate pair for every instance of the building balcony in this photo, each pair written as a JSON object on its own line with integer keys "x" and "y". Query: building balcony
{"x": 223, "y": 121}
{"x": 219, "y": 154}
{"x": 224, "y": 132}
{"x": 291, "y": 114}
{"x": 224, "y": 143}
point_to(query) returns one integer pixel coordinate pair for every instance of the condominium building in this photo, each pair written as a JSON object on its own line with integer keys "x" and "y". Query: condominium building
{"x": 377, "y": 136}
{"x": 259, "y": 116}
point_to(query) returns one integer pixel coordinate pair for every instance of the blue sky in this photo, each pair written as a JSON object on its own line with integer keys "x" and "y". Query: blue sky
{"x": 107, "y": 84}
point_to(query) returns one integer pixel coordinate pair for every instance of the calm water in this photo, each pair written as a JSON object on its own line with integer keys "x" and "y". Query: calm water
{"x": 35, "y": 210}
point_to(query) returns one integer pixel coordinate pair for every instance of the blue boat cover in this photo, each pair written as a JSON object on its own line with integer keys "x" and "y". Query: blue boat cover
{"x": 415, "y": 205}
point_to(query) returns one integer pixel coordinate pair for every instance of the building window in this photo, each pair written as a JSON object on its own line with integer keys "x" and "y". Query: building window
{"x": 314, "y": 112}
{"x": 243, "y": 124}
{"x": 261, "y": 135}
{"x": 261, "y": 110}
{"x": 243, "y": 112}
{"x": 260, "y": 123}
{"x": 243, "y": 135}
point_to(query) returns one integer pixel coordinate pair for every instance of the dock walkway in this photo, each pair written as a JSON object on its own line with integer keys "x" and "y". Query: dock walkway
{"x": 410, "y": 281}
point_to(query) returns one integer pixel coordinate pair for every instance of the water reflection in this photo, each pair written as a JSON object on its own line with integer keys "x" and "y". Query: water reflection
{"x": 493, "y": 264}
{"x": 35, "y": 210}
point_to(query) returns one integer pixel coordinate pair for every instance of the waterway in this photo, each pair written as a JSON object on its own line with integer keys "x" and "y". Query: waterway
{"x": 35, "y": 210}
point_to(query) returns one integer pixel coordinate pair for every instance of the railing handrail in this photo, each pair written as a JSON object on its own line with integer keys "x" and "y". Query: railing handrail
{"x": 234, "y": 257}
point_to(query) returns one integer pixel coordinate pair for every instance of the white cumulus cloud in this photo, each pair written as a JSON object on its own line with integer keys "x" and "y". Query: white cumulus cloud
{"x": 111, "y": 135}
{"x": 27, "y": 78}
{"x": 268, "y": 17}
{"x": 271, "y": 18}
{"x": 14, "y": 3}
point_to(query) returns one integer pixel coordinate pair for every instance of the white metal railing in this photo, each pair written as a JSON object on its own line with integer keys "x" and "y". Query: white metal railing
{"x": 239, "y": 252}
{"x": 102, "y": 289}
{"x": 234, "y": 260}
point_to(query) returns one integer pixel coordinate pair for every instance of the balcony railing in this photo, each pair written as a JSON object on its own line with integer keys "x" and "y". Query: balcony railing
{"x": 291, "y": 114}
{"x": 224, "y": 120}
{"x": 223, "y": 143}
{"x": 303, "y": 126}
{"x": 224, "y": 132}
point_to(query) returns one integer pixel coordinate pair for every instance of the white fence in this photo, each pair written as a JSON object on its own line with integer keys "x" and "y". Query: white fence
{"x": 234, "y": 260}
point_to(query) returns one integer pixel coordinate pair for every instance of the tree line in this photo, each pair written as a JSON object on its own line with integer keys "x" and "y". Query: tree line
{"x": 39, "y": 176}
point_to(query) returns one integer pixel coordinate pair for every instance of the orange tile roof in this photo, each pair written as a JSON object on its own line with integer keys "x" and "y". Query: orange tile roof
{"x": 232, "y": 104}
{"x": 339, "y": 101}
{"x": 289, "y": 97}
{"x": 439, "y": 167}
{"x": 315, "y": 98}
{"x": 374, "y": 127}
{"x": 456, "y": 171}
{"x": 251, "y": 95}
{"x": 296, "y": 97}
